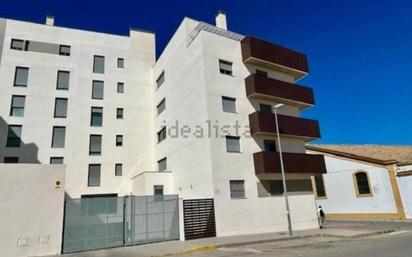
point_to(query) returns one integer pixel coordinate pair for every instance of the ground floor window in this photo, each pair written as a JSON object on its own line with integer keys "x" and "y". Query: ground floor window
{"x": 319, "y": 186}
{"x": 362, "y": 183}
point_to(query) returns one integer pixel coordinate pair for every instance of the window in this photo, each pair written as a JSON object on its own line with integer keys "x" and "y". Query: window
{"x": 265, "y": 108}
{"x": 118, "y": 170}
{"x": 58, "y": 138}
{"x": 161, "y": 135}
{"x": 63, "y": 80}
{"x": 119, "y": 140}
{"x": 261, "y": 73}
{"x": 237, "y": 189}
{"x": 233, "y": 144}
{"x": 96, "y": 119}
{"x": 225, "y": 67}
{"x": 14, "y": 136}
{"x": 119, "y": 113}
{"x": 161, "y": 106}
{"x": 17, "y": 105}
{"x": 11, "y": 159}
{"x": 95, "y": 146}
{"x": 98, "y": 64}
{"x": 362, "y": 184}
{"x": 158, "y": 191}
{"x": 270, "y": 188}
{"x": 17, "y": 44}
{"x": 60, "y": 108}
{"x": 97, "y": 89}
{"x": 160, "y": 79}
{"x": 120, "y": 87}
{"x": 319, "y": 186}
{"x": 162, "y": 164}
{"x": 56, "y": 160}
{"x": 94, "y": 175}
{"x": 229, "y": 104}
{"x": 120, "y": 63}
{"x": 64, "y": 50}
{"x": 269, "y": 145}
{"x": 20, "y": 77}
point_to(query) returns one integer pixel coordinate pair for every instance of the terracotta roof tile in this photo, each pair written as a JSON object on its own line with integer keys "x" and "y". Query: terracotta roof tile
{"x": 402, "y": 154}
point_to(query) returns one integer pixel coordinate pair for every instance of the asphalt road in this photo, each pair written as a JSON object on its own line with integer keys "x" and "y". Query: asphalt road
{"x": 397, "y": 244}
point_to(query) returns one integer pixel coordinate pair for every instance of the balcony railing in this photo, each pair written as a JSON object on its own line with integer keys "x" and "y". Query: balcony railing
{"x": 280, "y": 91}
{"x": 269, "y": 163}
{"x": 263, "y": 123}
{"x": 262, "y": 53}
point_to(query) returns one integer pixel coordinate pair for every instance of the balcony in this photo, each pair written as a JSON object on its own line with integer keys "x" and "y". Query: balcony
{"x": 269, "y": 163}
{"x": 279, "y": 91}
{"x": 263, "y": 123}
{"x": 262, "y": 53}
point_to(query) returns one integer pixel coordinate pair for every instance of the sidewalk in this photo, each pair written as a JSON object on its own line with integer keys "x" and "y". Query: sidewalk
{"x": 182, "y": 247}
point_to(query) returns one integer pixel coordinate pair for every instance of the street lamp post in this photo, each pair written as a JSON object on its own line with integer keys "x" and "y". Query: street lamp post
{"x": 285, "y": 190}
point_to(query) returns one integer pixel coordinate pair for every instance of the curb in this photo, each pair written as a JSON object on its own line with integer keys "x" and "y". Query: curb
{"x": 212, "y": 247}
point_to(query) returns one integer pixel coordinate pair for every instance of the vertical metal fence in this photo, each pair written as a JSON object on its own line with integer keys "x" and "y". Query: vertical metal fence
{"x": 103, "y": 222}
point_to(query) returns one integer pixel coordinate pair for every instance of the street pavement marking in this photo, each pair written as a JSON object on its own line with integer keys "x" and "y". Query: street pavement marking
{"x": 241, "y": 250}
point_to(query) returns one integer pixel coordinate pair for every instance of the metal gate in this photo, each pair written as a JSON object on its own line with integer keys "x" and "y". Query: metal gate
{"x": 103, "y": 222}
{"x": 199, "y": 218}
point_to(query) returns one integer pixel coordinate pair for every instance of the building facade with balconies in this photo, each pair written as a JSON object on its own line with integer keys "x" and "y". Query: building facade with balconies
{"x": 197, "y": 122}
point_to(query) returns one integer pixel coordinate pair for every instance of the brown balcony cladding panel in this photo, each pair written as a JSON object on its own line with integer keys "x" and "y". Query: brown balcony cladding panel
{"x": 264, "y": 123}
{"x": 260, "y": 86}
{"x": 269, "y": 163}
{"x": 261, "y": 51}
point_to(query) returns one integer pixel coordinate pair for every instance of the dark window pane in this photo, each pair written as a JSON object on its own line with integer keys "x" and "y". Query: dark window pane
{"x": 265, "y": 108}
{"x": 233, "y": 144}
{"x": 64, "y": 50}
{"x": 120, "y": 62}
{"x": 11, "y": 159}
{"x": 17, "y": 106}
{"x": 119, "y": 113}
{"x": 96, "y": 119}
{"x": 14, "y": 136}
{"x": 21, "y": 77}
{"x": 160, "y": 79}
{"x": 269, "y": 145}
{"x": 362, "y": 183}
{"x": 161, "y": 106}
{"x": 162, "y": 164}
{"x": 60, "y": 108}
{"x": 94, "y": 175}
{"x": 237, "y": 189}
{"x": 161, "y": 135}
{"x": 56, "y": 160}
{"x": 98, "y": 64}
{"x": 225, "y": 67}
{"x": 97, "y": 89}
{"x": 229, "y": 104}
{"x": 120, "y": 87}
{"x": 320, "y": 187}
{"x": 63, "y": 80}
{"x": 95, "y": 147}
{"x": 118, "y": 169}
{"x": 17, "y": 44}
{"x": 58, "y": 138}
{"x": 119, "y": 140}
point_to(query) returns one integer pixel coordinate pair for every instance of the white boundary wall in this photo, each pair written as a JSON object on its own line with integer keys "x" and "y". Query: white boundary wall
{"x": 31, "y": 209}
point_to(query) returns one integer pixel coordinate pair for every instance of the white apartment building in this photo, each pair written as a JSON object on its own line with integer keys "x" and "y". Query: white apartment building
{"x": 196, "y": 122}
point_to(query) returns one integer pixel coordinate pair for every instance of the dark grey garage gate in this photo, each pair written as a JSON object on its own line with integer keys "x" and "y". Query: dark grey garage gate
{"x": 199, "y": 218}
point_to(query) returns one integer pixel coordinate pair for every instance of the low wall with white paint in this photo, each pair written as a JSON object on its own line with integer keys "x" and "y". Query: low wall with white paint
{"x": 31, "y": 209}
{"x": 142, "y": 184}
{"x": 264, "y": 215}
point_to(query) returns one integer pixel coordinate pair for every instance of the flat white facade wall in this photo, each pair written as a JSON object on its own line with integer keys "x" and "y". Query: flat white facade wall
{"x": 200, "y": 163}
{"x": 405, "y": 187}
{"x": 136, "y": 154}
{"x": 143, "y": 183}
{"x": 341, "y": 192}
{"x": 31, "y": 216}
